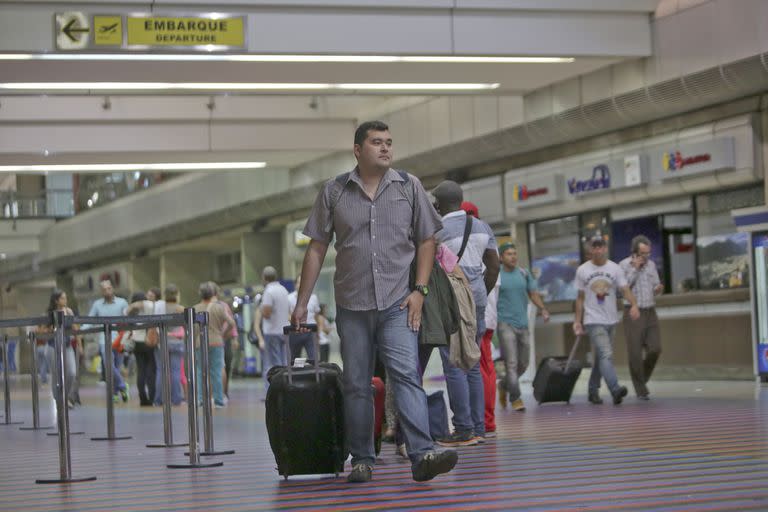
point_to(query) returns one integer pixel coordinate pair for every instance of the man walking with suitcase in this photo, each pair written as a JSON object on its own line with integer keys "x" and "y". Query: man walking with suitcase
{"x": 382, "y": 219}
{"x": 597, "y": 281}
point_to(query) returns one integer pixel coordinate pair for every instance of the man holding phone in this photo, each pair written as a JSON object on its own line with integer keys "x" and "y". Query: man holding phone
{"x": 642, "y": 335}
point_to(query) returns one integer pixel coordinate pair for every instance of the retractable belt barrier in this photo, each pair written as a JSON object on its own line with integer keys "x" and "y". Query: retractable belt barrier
{"x": 64, "y": 328}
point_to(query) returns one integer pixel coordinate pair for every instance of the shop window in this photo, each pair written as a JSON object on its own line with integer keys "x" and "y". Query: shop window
{"x": 555, "y": 255}
{"x": 722, "y": 252}
{"x": 679, "y": 254}
{"x": 622, "y": 233}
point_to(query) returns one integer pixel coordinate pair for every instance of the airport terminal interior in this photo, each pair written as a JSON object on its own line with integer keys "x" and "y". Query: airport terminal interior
{"x": 179, "y": 142}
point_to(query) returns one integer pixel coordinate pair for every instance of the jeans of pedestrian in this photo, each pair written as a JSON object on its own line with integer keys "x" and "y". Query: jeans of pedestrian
{"x": 176, "y": 353}
{"x": 70, "y": 371}
{"x": 272, "y": 355}
{"x": 601, "y": 339}
{"x": 43, "y": 356}
{"x": 304, "y": 341}
{"x": 515, "y": 345}
{"x": 11, "y": 358}
{"x": 466, "y": 393}
{"x": 384, "y": 334}
{"x": 117, "y": 363}
{"x": 215, "y": 369}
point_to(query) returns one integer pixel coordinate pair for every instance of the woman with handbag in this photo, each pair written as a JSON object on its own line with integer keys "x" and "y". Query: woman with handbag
{"x": 175, "y": 340}
{"x": 144, "y": 343}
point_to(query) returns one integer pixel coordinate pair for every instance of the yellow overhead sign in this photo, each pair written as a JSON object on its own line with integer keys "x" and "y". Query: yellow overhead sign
{"x": 185, "y": 31}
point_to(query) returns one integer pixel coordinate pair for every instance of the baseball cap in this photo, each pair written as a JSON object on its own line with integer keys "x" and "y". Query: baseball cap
{"x": 470, "y": 208}
{"x": 597, "y": 241}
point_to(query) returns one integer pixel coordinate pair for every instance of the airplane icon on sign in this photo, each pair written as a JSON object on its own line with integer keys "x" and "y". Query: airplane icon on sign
{"x": 108, "y": 29}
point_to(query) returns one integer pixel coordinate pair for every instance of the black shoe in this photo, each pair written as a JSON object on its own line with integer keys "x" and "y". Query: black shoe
{"x": 458, "y": 439}
{"x": 433, "y": 464}
{"x": 594, "y": 398}
{"x": 619, "y": 395}
{"x": 360, "y": 473}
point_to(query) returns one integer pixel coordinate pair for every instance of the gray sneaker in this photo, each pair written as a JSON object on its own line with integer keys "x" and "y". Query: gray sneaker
{"x": 433, "y": 464}
{"x": 360, "y": 473}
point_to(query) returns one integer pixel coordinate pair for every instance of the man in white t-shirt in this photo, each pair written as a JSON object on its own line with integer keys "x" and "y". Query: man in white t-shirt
{"x": 597, "y": 281}
{"x": 305, "y": 340}
{"x": 275, "y": 315}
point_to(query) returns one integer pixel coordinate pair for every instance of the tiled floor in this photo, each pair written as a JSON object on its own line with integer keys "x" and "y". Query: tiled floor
{"x": 694, "y": 446}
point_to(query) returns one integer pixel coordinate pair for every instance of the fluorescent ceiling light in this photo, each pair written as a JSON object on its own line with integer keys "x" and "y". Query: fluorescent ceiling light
{"x": 213, "y": 57}
{"x": 238, "y": 86}
{"x": 193, "y": 166}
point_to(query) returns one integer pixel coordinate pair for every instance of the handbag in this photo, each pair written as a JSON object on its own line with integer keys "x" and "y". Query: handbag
{"x": 153, "y": 334}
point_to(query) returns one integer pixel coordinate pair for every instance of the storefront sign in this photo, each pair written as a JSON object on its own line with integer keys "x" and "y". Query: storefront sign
{"x": 81, "y": 31}
{"x": 531, "y": 192}
{"x": 694, "y": 159}
{"x": 599, "y": 180}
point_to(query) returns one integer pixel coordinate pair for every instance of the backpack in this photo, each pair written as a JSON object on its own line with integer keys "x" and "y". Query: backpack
{"x": 464, "y": 351}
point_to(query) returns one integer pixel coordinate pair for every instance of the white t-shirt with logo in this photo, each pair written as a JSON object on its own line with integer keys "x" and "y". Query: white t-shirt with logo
{"x": 599, "y": 284}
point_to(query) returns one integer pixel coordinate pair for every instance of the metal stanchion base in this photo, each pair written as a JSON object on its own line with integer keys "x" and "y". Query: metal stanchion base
{"x": 214, "y": 453}
{"x": 66, "y": 480}
{"x": 11, "y": 423}
{"x": 163, "y": 445}
{"x": 38, "y": 428}
{"x": 71, "y": 433}
{"x": 113, "y": 438}
{"x": 194, "y": 466}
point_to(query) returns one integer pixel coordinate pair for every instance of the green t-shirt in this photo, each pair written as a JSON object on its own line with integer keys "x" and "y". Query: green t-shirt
{"x": 513, "y": 297}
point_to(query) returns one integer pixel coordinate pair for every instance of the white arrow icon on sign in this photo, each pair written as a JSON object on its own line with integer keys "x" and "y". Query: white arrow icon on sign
{"x": 72, "y": 31}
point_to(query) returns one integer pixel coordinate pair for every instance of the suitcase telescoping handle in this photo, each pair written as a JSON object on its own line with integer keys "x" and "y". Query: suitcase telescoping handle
{"x": 573, "y": 353}
{"x": 287, "y": 331}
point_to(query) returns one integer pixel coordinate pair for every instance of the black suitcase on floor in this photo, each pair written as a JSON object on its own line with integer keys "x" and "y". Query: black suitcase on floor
{"x": 305, "y": 419}
{"x": 556, "y": 377}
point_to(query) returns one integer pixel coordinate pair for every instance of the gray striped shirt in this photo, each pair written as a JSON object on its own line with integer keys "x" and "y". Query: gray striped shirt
{"x": 641, "y": 282}
{"x": 376, "y": 239}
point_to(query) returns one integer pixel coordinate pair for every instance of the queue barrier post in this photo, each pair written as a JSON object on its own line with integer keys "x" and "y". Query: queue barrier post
{"x": 62, "y": 412}
{"x": 166, "y": 379}
{"x": 193, "y": 453}
{"x": 109, "y": 368}
{"x": 32, "y": 339}
{"x": 7, "y": 385}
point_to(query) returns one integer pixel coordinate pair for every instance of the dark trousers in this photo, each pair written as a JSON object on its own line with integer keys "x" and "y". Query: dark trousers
{"x": 643, "y": 347}
{"x": 304, "y": 341}
{"x": 146, "y": 371}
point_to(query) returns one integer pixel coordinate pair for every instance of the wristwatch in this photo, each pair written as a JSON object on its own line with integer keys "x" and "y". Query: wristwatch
{"x": 422, "y": 289}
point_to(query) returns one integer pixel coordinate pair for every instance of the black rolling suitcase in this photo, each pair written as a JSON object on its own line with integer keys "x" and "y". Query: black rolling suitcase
{"x": 556, "y": 377}
{"x": 305, "y": 418}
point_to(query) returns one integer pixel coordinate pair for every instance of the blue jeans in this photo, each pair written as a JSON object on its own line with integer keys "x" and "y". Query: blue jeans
{"x": 466, "y": 394}
{"x": 364, "y": 334}
{"x": 176, "y": 352}
{"x": 601, "y": 339}
{"x": 215, "y": 369}
{"x": 305, "y": 341}
{"x": 117, "y": 363}
{"x": 273, "y": 354}
{"x": 11, "y": 363}
{"x": 43, "y": 356}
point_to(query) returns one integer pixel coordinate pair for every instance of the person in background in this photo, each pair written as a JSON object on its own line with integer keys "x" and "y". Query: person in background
{"x": 323, "y": 330}
{"x": 175, "y": 339}
{"x": 58, "y": 302}
{"x": 306, "y": 340}
{"x": 231, "y": 344}
{"x": 642, "y": 336}
{"x": 480, "y": 264}
{"x": 218, "y": 323}
{"x": 275, "y": 315}
{"x": 146, "y": 368}
{"x": 111, "y": 305}
{"x": 517, "y": 287}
